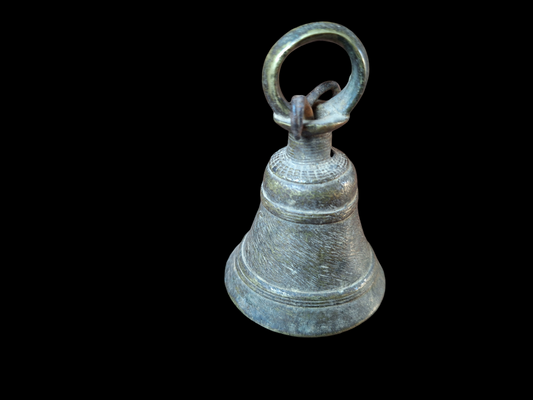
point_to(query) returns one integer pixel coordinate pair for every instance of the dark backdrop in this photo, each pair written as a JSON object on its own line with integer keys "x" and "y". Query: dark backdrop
{"x": 194, "y": 134}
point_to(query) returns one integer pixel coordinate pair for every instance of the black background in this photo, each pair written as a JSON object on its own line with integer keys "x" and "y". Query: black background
{"x": 195, "y": 133}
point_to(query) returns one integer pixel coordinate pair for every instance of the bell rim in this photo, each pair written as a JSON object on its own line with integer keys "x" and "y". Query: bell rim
{"x": 344, "y": 316}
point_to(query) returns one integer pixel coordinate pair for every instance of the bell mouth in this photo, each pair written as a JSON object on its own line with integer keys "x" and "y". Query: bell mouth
{"x": 293, "y": 320}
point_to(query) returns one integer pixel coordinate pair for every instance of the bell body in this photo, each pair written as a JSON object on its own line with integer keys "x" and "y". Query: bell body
{"x": 305, "y": 267}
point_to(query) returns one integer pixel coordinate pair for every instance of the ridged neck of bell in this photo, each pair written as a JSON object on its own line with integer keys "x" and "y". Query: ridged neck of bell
{"x": 309, "y": 150}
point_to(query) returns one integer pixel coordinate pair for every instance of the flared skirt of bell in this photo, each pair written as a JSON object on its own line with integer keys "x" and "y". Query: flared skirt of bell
{"x": 298, "y": 296}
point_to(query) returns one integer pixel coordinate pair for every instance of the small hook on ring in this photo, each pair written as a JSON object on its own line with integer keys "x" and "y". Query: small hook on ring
{"x": 301, "y": 106}
{"x": 300, "y": 110}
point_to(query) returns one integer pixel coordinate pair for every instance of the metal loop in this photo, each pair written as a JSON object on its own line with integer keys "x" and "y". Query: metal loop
{"x": 301, "y": 106}
{"x": 315, "y": 94}
{"x": 300, "y": 109}
{"x": 335, "y": 111}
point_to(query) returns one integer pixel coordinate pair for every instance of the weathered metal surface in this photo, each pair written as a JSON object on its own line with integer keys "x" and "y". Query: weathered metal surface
{"x": 305, "y": 267}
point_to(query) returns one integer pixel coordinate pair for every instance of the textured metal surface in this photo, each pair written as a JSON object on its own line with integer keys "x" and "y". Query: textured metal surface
{"x": 305, "y": 267}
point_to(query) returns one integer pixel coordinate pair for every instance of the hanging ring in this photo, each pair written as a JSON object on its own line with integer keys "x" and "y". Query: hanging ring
{"x": 335, "y": 112}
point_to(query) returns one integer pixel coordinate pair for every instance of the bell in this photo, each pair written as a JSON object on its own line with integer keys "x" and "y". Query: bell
{"x": 305, "y": 267}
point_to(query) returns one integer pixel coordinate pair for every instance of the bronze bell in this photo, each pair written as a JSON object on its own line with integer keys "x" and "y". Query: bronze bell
{"x": 305, "y": 267}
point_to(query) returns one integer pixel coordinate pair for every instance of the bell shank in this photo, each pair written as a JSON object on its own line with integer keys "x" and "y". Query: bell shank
{"x": 309, "y": 150}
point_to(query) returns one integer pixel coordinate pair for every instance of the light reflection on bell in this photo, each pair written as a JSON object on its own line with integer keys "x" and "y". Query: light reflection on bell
{"x": 305, "y": 267}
